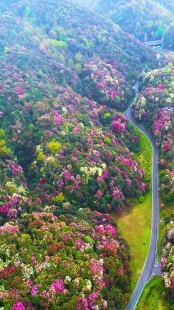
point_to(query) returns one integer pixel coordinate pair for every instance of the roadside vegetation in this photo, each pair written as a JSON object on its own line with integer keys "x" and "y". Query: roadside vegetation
{"x": 166, "y": 213}
{"x": 135, "y": 224}
{"x": 153, "y": 297}
{"x": 144, "y": 157}
{"x": 154, "y": 108}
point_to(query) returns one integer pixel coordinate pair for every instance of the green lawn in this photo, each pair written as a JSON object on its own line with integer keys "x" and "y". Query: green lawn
{"x": 135, "y": 225}
{"x": 153, "y": 297}
{"x": 145, "y": 156}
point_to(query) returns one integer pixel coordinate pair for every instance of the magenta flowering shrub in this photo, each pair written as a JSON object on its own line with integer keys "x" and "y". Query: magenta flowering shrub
{"x": 57, "y": 42}
{"x": 119, "y": 123}
{"x": 167, "y": 261}
{"x": 155, "y": 108}
{"x": 13, "y": 189}
{"x": 106, "y": 85}
{"x": 66, "y": 262}
{"x": 62, "y": 150}
{"x": 18, "y": 306}
{"x": 91, "y": 165}
{"x": 69, "y": 158}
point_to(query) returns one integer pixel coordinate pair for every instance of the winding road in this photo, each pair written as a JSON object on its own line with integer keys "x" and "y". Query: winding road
{"x": 151, "y": 259}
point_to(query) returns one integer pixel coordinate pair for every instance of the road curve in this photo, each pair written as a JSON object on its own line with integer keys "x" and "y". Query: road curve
{"x": 152, "y": 254}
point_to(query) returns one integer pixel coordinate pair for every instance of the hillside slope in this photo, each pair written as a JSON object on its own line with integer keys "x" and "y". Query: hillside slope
{"x": 147, "y": 20}
{"x": 66, "y": 155}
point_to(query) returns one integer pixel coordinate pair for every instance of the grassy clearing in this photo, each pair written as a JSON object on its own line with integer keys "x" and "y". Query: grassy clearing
{"x": 145, "y": 156}
{"x": 153, "y": 297}
{"x": 135, "y": 225}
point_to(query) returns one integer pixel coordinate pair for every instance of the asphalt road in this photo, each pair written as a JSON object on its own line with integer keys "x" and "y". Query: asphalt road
{"x": 152, "y": 254}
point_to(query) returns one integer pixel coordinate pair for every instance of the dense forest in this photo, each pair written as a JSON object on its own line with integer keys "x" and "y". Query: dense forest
{"x": 69, "y": 156}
